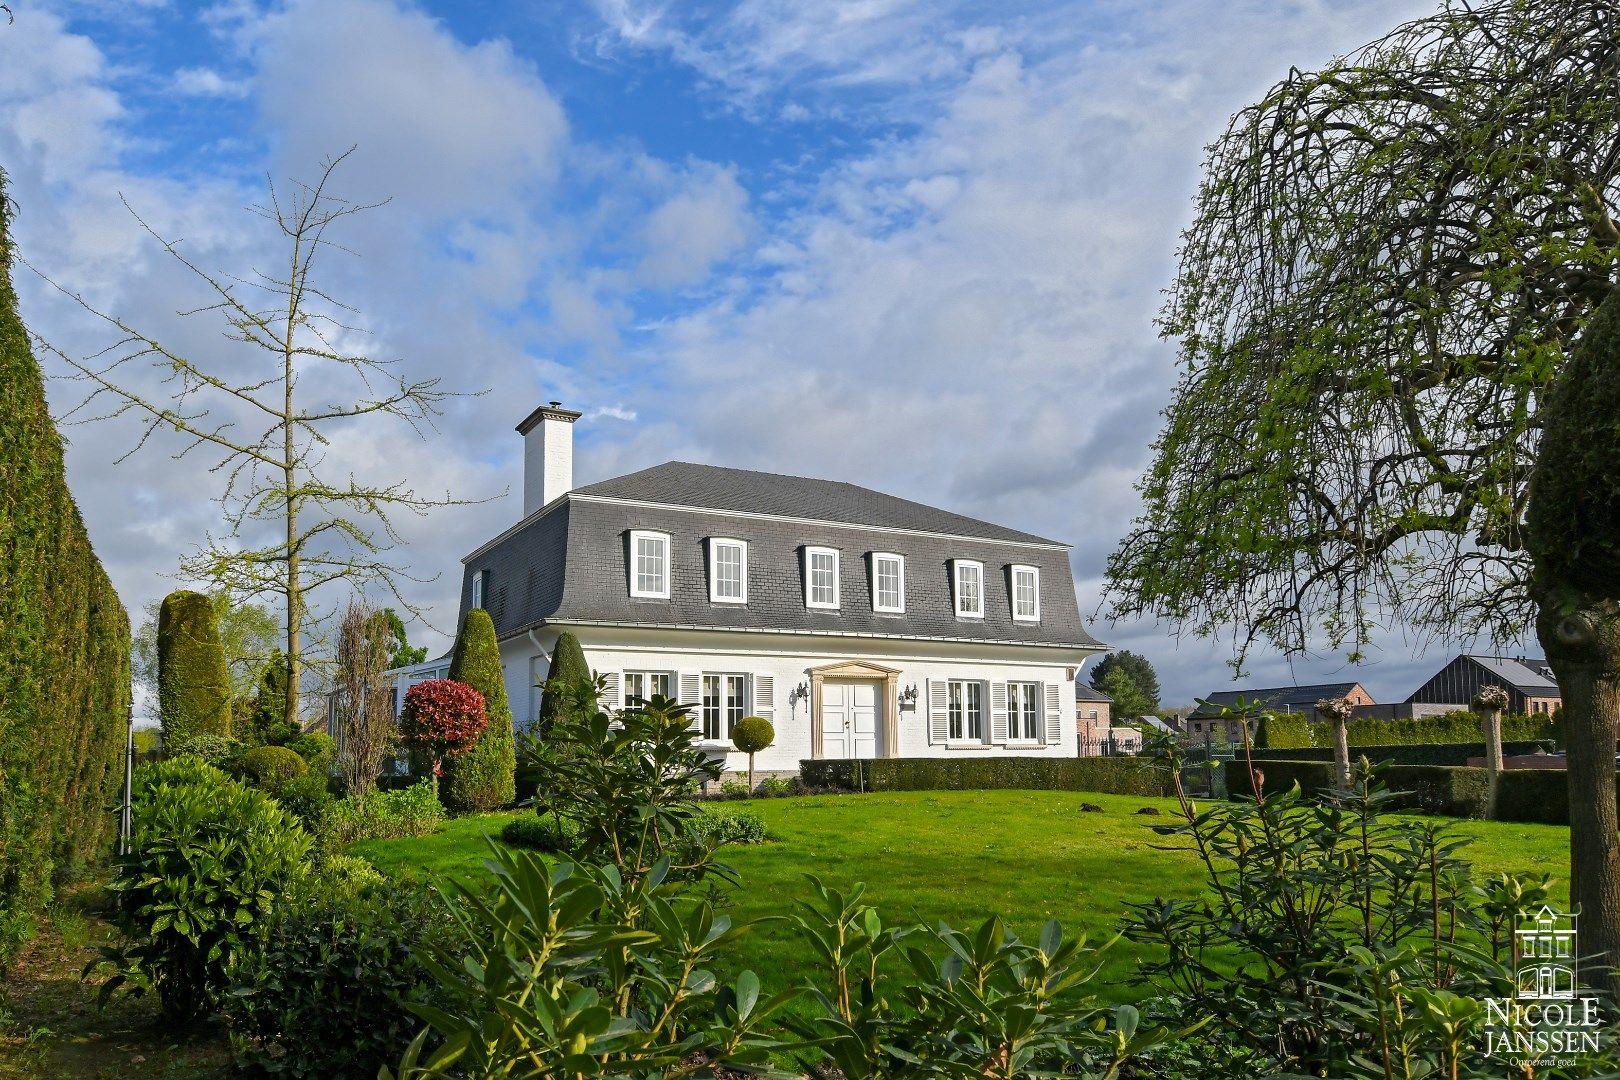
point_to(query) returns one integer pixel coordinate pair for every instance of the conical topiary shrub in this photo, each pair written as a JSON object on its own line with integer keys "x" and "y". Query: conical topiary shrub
{"x": 484, "y": 777}
{"x": 194, "y": 687}
{"x": 568, "y": 668}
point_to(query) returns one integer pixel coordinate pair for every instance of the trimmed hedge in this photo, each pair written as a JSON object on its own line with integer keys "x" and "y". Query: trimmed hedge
{"x": 483, "y": 778}
{"x": 64, "y": 669}
{"x": 1406, "y": 754}
{"x": 194, "y": 685}
{"x": 1534, "y": 796}
{"x": 568, "y": 667}
{"x": 1105, "y": 775}
{"x": 1291, "y": 731}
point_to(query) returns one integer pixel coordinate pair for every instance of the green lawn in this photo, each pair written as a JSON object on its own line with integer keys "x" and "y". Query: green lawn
{"x": 960, "y": 857}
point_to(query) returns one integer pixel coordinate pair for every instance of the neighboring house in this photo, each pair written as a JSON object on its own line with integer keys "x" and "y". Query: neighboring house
{"x": 399, "y": 680}
{"x": 1530, "y": 684}
{"x": 860, "y": 624}
{"x": 1093, "y": 711}
{"x": 1205, "y": 725}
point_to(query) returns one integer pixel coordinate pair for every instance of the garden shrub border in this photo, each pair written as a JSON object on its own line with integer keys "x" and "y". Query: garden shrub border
{"x": 1407, "y": 753}
{"x": 1101, "y": 775}
{"x": 1292, "y": 731}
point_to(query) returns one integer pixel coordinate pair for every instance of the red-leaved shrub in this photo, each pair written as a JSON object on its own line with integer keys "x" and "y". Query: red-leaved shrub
{"x": 442, "y": 718}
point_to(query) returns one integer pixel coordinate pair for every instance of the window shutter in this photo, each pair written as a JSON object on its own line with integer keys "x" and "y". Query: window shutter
{"x": 610, "y": 693}
{"x": 692, "y": 696}
{"x": 765, "y": 696}
{"x": 1054, "y": 715}
{"x": 939, "y": 717}
{"x": 998, "y": 713}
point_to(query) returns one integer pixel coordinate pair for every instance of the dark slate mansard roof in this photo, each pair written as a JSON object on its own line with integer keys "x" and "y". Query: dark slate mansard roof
{"x": 567, "y": 564}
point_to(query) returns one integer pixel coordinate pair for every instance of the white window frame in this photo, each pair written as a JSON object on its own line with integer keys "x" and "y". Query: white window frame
{"x": 725, "y": 704}
{"x": 645, "y": 676}
{"x": 810, "y": 554}
{"x": 715, "y": 544}
{"x": 1035, "y": 584}
{"x": 965, "y": 739}
{"x": 900, "y": 572}
{"x": 957, "y": 566}
{"x": 479, "y": 584}
{"x": 636, "y": 536}
{"x": 1015, "y": 728}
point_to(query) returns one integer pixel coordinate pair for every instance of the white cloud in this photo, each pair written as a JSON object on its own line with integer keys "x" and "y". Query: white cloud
{"x": 206, "y": 82}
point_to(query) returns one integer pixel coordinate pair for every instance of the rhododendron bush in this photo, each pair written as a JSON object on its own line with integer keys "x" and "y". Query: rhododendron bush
{"x": 442, "y": 718}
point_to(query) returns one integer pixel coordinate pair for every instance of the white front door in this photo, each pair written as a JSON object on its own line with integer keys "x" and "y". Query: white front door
{"x": 850, "y": 716}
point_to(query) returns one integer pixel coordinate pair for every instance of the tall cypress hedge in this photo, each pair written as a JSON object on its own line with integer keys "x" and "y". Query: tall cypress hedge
{"x": 64, "y": 667}
{"x": 1286, "y": 731}
{"x": 194, "y": 685}
{"x": 484, "y": 777}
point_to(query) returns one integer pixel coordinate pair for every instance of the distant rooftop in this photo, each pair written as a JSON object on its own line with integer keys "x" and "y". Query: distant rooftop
{"x": 1279, "y": 698}
{"x": 1087, "y": 692}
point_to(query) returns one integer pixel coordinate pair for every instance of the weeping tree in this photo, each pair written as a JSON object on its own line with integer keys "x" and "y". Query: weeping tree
{"x": 265, "y": 407}
{"x": 1389, "y": 263}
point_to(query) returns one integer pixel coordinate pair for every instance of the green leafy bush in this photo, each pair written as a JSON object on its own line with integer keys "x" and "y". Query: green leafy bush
{"x": 1539, "y": 796}
{"x": 220, "y": 751}
{"x": 65, "y": 664}
{"x": 385, "y": 815}
{"x": 306, "y": 797}
{"x": 718, "y": 827}
{"x": 776, "y": 787}
{"x": 752, "y": 734}
{"x": 207, "y": 860}
{"x": 1361, "y": 946}
{"x": 484, "y": 778}
{"x": 194, "y": 685}
{"x": 269, "y": 767}
{"x": 1110, "y": 775}
{"x": 329, "y": 992}
{"x": 549, "y": 833}
{"x": 317, "y": 748}
{"x": 1286, "y": 731}
{"x": 983, "y": 1004}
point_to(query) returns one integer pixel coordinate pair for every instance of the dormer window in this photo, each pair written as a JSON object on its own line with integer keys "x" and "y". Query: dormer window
{"x": 969, "y": 589}
{"x": 888, "y": 583}
{"x": 1026, "y": 594}
{"x": 649, "y": 564}
{"x": 728, "y": 571}
{"x": 820, "y": 577}
{"x": 480, "y": 587}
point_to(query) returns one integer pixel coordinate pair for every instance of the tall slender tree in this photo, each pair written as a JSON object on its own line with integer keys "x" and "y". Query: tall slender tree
{"x": 1388, "y": 263}
{"x": 266, "y": 407}
{"x": 367, "y": 729}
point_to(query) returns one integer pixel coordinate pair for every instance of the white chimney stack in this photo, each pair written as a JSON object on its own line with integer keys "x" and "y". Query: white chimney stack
{"x": 548, "y": 455}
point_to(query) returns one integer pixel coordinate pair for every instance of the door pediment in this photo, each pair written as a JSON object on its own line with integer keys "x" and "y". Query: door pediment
{"x": 854, "y": 669}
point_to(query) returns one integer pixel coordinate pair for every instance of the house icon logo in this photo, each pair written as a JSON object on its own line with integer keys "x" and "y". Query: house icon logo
{"x": 1544, "y": 951}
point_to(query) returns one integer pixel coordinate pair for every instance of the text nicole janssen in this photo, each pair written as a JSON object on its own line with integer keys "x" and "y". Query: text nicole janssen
{"x": 1541, "y": 1028}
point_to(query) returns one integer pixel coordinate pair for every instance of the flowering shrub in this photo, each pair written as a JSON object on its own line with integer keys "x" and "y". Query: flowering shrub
{"x": 442, "y": 718}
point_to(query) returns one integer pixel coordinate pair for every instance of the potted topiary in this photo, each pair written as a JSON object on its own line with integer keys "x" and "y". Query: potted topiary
{"x": 752, "y": 734}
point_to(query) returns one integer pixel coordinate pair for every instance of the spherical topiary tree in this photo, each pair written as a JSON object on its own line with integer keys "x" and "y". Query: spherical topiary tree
{"x": 442, "y": 718}
{"x": 270, "y": 767}
{"x": 568, "y": 669}
{"x": 194, "y": 685}
{"x": 752, "y": 734}
{"x": 484, "y": 777}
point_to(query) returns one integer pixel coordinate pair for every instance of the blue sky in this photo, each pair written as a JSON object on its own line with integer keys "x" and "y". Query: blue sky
{"x": 917, "y": 246}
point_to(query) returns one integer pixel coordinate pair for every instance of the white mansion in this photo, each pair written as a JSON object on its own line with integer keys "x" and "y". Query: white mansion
{"x": 860, "y": 624}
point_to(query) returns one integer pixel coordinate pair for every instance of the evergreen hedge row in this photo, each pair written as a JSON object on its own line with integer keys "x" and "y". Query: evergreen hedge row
{"x": 64, "y": 668}
{"x": 1289, "y": 731}
{"x": 1407, "y": 753}
{"x": 1105, "y": 775}
{"x": 1536, "y": 796}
